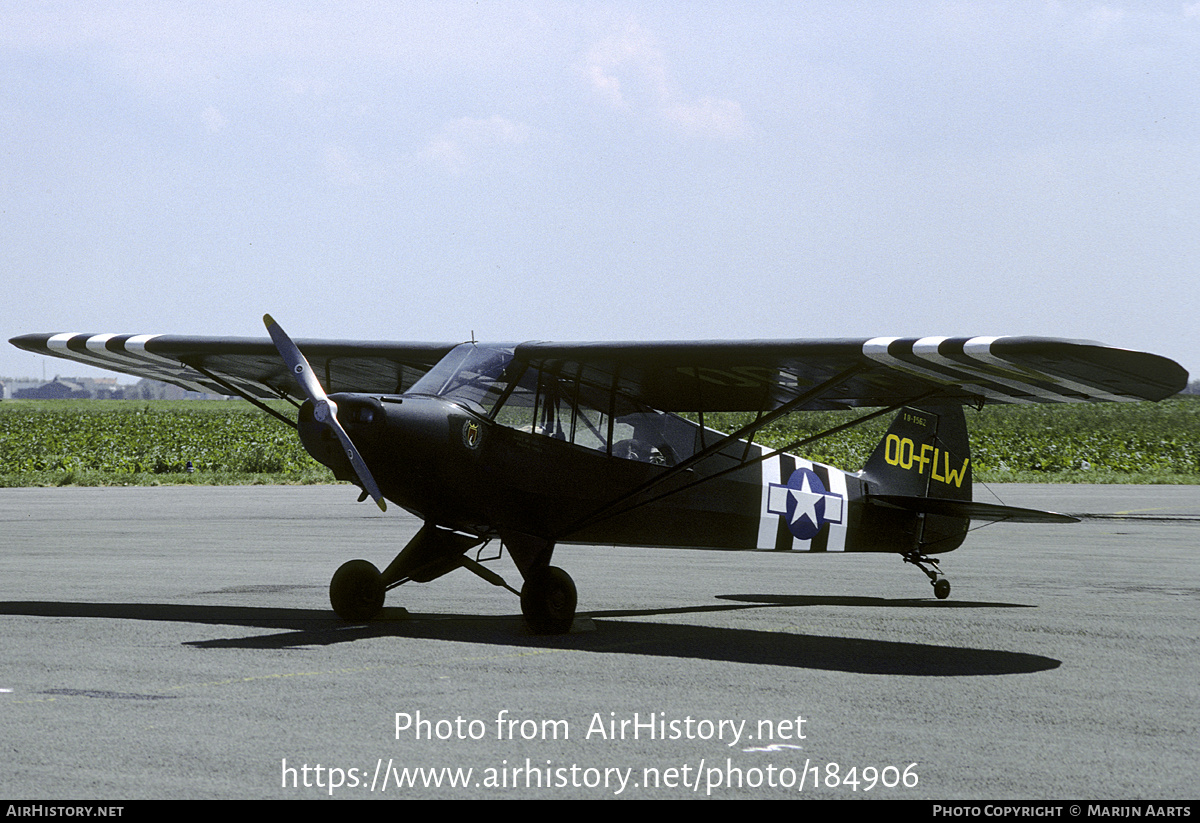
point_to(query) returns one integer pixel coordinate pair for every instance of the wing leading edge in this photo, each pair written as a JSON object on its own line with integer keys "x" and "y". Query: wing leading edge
{"x": 250, "y": 365}
{"x": 672, "y": 376}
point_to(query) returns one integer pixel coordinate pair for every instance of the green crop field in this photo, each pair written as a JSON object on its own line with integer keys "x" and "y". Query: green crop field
{"x": 115, "y": 442}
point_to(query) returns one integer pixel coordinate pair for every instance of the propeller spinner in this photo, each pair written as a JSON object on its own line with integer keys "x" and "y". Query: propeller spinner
{"x": 324, "y": 409}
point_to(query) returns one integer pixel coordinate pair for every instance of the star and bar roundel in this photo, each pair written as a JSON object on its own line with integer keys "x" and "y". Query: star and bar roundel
{"x": 804, "y": 506}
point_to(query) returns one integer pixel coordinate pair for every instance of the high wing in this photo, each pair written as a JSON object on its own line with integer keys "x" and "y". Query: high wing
{"x": 243, "y": 365}
{"x": 672, "y": 376}
{"x": 880, "y": 371}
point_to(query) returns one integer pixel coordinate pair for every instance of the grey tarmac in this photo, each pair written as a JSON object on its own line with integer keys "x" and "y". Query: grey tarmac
{"x": 176, "y": 642}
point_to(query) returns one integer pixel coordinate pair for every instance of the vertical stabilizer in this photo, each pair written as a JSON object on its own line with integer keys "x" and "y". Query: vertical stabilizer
{"x": 924, "y": 454}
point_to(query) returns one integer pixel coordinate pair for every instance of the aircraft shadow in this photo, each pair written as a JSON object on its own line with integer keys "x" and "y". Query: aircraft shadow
{"x": 311, "y": 627}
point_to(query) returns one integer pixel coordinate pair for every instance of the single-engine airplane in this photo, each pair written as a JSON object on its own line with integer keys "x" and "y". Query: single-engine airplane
{"x": 537, "y": 444}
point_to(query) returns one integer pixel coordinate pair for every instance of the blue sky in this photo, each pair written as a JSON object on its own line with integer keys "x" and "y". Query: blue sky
{"x": 598, "y": 171}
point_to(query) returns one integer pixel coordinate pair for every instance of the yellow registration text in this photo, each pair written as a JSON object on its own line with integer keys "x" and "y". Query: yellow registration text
{"x": 902, "y": 452}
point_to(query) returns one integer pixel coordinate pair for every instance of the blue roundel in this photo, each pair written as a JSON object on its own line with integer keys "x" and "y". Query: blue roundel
{"x": 806, "y": 502}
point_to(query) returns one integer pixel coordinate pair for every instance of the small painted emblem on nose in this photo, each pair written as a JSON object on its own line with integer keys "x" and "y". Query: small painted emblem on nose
{"x": 472, "y": 434}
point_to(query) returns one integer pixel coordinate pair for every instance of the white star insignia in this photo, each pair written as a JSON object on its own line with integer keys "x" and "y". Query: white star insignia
{"x": 806, "y": 502}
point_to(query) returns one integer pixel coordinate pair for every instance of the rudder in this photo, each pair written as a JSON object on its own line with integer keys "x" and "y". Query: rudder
{"x": 925, "y": 455}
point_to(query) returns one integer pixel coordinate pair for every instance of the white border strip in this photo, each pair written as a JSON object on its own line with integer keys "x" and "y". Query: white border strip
{"x": 980, "y": 348}
{"x": 768, "y": 524}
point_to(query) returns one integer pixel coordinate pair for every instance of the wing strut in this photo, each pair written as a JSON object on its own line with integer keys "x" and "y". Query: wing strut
{"x": 746, "y": 432}
{"x": 245, "y": 395}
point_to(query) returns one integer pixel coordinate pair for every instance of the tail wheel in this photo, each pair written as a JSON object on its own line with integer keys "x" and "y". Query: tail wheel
{"x": 356, "y": 591}
{"x": 548, "y": 601}
{"x": 941, "y": 586}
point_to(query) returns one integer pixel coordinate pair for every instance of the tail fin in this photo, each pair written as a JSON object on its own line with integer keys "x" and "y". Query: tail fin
{"x": 918, "y": 480}
{"x": 917, "y": 488}
{"x": 924, "y": 454}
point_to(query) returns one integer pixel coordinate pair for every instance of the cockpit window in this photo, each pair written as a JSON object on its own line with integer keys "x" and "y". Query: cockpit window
{"x": 556, "y": 405}
{"x": 546, "y": 404}
{"x": 562, "y": 407}
{"x": 473, "y": 375}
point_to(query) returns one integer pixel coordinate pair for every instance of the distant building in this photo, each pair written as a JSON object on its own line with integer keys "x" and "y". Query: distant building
{"x": 56, "y": 389}
{"x": 13, "y": 385}
{"x": 100, "y": 388}
{"x": 103, "y": 388}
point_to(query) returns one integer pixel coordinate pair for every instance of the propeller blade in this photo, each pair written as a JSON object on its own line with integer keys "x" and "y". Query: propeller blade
{"x": 324, "y": 409}
{"x": 295, "y": 361}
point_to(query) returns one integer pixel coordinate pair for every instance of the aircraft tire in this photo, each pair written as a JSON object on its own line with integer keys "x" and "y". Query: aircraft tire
{"x": 548, "y": 601}
{"x": 941, "y": 589}
{"x": 356, "y": 591}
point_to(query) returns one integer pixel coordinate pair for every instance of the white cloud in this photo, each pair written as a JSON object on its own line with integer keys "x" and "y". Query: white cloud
{"x": 711, "y": 117}
{"x": 629, "y": 72}
{"x": 628, "y": 65}
{"x": 463, "y": 140}
{"x": 213, "y": 120}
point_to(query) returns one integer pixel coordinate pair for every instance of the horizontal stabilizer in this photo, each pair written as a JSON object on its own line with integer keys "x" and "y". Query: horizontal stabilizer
{"x": 969, "y": 509}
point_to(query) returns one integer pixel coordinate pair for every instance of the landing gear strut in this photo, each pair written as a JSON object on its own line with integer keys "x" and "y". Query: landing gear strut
{"x": 941, "y": 586}
{"x": 548, "y": 600}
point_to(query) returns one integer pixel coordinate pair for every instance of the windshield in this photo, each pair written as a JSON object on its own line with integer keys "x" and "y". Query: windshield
{"x": 470, "y": 374}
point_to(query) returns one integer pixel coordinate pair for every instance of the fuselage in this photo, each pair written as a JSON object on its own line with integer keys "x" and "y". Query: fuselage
{"x": 487, "y": 445}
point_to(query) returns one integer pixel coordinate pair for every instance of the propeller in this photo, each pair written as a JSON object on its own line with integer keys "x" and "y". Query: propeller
{"x": 324, "y": 409}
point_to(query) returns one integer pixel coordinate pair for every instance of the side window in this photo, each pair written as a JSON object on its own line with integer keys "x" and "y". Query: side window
{"x": 546, "y": 404}
{"x": 554, "y": 411}
{"x": 567, "y": 410}
{"x": 590, "y": 425}
{"x": 517, "y": 411}
{"x": 564, "y": 409}
{"x": 653, "y": 437}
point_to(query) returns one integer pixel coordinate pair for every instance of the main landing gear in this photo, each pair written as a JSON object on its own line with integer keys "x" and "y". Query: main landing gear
{"x": 548, "y": 597}
{"x": 548, "y": 600}
{"x": 356, "y": 591}
{"x": 941, "y": 586}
